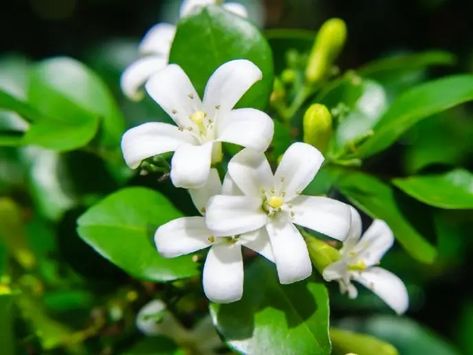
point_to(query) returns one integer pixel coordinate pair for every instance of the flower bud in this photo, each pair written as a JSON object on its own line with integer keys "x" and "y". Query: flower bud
{"x": 317, "y": 125}
{"x": 328, "y": 44}
{"x": 321, "y": 253}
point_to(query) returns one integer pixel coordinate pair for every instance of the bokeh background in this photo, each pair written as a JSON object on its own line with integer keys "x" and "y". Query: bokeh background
{"x": 105, "y": 33}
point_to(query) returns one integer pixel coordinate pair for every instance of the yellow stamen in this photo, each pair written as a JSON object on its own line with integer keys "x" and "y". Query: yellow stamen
{"x": 358, "y": 266}
{"x": 198, "y": 117}
{"x": 275, "y": 202}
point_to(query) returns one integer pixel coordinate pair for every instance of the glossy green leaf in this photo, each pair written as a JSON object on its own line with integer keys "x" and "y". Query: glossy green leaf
{"x": 407, "y": 336}
{"x": 378, "y": 200}
{"x": 11, "y": 138}
{"x": 452, "y": 190}
{"x": 406, "y": 62}
{"x": 74, "y": 102}
{"x": 155, "y": 345}
{"x": 345, "y": 342}
{"x": 414, "y": 105}
{"x": 121, "y": 228}
{"x": 273, "y": 318}
{"x": 214, "y": 36}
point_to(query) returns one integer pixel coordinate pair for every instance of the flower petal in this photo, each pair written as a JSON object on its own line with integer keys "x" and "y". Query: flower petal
{"x": 375, "y": 242}
{"x": 354, "y": 233}
{"x": 190, "y": 165}
{"x": 247, "y": 127}
{"x": 150, "y": 139}
{"x": 135, "y": 76}
{"x": 188, "y": 7}
{"x": 323, "y": 215}
{"x": 158, "y": 40}
{"x": 229, "y": 187}
{"x": 202, "y": 195}
{"x": 236, "y": 8}
{"x": 223, "y": 273}
{"x": 289, "y": 250}
{"x": 251, "y": 172}
{"x": 297, "y": 168}
{"x": 387, "y": 286}
{"x": 233, "y": 215}
{"x": 228, "y": 84}
{"x": 259, "y": 242}
{"x": 182, "y": 236}
{"x": 172, "y": 89}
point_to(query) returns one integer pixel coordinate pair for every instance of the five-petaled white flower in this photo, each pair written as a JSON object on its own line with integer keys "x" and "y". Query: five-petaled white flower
{"x": 269, "y": 205}
{"x": 359, "y": 257}
{"x": 223, "y": 269}
{"x": 201, "y": 125}
{"x": 156, "y": 45}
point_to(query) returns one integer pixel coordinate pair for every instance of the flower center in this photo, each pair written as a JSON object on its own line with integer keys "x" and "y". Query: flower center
{"x": 275, "y": 202}
{"x": 358, "y": 266}
{"x": 198, "y": 118}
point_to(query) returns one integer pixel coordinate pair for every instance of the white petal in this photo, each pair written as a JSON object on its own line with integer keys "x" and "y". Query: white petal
{"x": 188, "y": 7}
{"x": 251, "y": 172}
{"x": 158, "y": 40}
{"x": 236, "y": 8}
{"x": 323, "y": 215}
{"x": 229, "y": 187}
{"x": 247, "y": 127}
{"x": 202, "y": 195}
{"x": 135, "y": 76}
{"x": 375, "y": 242}
{"x": 172, "y": 89}
{"x": 190, "y": 165}
{"x": 147, "y": 316}
{"x": 182, "y": 236}
{"x": 223, "y": 273}
{"x": 335, "y": 271}
{"x": 229, "y": 83}
{"x": 151, "y": 139}
{"x": 290, "y": 251}
{"x": 354, "y": 233}
{"x": 387, "y": 286}
{"x": 298, "y": 167}
{"x": 259, "y": 242}
{"x": 233, "y": 215}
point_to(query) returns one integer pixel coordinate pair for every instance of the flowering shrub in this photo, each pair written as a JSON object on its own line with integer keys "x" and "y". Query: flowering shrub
{"x": 233, "y": 207}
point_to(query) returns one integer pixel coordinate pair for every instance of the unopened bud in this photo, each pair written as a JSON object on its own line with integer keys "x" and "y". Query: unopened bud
{"x": 321, "y": 253}
{"x": 328, "y": 44}
{"x": 317, "y": 126}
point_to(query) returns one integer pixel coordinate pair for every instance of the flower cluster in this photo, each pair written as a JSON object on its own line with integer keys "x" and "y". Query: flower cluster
{"x": 251, "y": 206}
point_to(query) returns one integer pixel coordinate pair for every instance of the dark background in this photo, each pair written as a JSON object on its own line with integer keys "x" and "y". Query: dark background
{"x": 41, "y": 28}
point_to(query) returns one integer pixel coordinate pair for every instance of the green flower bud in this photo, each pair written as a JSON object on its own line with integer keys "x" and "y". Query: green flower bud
{"x": 317, "y": 125}
{"x": 328, "y": 44}
{"x": 288, "y": 76}
{"x": 321, "y": 253}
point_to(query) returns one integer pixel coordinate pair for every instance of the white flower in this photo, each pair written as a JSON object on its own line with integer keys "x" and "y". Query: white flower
{"x": 269, "y": 205}
{"x": 223, "y": 268}
{"x": 188, "y": 7}
{"x": 201, "y": 125}
{"x": 156, "y": 45}
{"x": 359, "y": 257}
{"x": 154, "y": 49}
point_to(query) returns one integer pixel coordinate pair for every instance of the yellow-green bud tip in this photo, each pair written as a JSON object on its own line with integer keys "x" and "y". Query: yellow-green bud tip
{"x": 317, "y": 126}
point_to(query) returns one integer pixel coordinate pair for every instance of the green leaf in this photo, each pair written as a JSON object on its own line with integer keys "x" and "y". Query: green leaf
{"x": 213, "y": 37}
{"x": 406, "y": 62}
{"x": 10, "y": 138}
{"x": 6, "y": 323}
{"x": 273, "y": 318}
{"x": 11, "y": 103}
{"x": 155, "y": 345}
{"x": 407, "y": 336}
{"x": 452, "y": 190}
{"x": 345, "y": 342}
{"x": 378, "y": 200}
{"x": 414, "y": 105}
{"x": 74, "y": 101}
{"x": 121, "y": 228}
